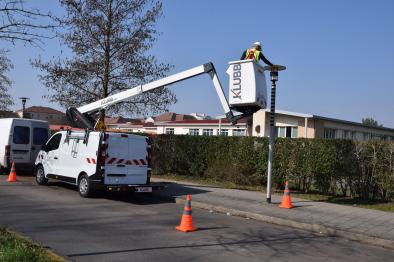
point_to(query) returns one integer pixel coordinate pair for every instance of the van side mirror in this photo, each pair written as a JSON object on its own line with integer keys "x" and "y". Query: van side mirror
{"x": 44, "y": 147}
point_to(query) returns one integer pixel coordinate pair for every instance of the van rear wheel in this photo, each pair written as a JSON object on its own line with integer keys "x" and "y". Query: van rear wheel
{"x": 84, "y": 186}
{"x": 40, "y": 176}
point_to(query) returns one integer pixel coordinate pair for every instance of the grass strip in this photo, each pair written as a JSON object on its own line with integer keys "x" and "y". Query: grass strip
{"x": 15, "y": 248}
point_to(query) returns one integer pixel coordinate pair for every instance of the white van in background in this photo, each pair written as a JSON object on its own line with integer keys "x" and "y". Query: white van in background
{"x": 20, "y": 141}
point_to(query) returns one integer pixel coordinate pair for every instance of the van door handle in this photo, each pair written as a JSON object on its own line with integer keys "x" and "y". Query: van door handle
{"x": 55, "y": 157}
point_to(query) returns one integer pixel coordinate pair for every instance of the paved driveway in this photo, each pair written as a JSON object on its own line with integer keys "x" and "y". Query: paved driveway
{"x": 141, "y": 228}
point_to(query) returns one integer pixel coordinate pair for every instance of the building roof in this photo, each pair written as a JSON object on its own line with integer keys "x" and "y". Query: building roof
{"x": 41, "y": 109}
{"x": 283, "y": 112}
{"x": 170, "y": 116}
{"x": 8, "y": 114}
{"x": 123, "y": 120}
{"x": 149, "y": 124}
{"x": 353, "y": 123}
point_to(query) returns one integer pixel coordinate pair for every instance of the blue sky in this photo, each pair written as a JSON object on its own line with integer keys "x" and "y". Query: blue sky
{"x": 339, "y": 54}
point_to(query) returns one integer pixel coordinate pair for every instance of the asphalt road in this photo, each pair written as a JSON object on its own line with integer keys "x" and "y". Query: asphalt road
{"x": 141, "y": 228}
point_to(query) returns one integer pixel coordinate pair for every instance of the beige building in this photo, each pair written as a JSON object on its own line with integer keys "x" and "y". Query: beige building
{"x": 180, "y": 124}
{"x": 297, "y": 125}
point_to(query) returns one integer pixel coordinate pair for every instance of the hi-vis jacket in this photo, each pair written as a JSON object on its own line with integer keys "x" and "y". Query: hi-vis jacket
{"x": 253, "y": 53}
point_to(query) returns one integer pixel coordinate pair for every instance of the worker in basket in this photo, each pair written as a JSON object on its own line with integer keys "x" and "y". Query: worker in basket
{"x": 255, "y": 53}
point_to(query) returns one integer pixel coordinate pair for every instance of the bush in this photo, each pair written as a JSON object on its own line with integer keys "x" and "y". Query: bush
{"x": 338, "y": 167}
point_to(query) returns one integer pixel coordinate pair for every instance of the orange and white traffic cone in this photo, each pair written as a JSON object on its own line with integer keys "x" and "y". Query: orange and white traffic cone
{"x": 12, "y": 175}
{"x": 286, "y": 199}
{"x": 187, "y": 219}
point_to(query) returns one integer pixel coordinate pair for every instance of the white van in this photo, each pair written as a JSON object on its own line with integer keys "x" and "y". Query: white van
{"x": 20, "y": 142}
{"x": 96, "y": 160}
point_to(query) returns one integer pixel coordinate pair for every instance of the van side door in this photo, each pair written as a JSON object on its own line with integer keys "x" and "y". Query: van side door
{"x": 51, "y": 157}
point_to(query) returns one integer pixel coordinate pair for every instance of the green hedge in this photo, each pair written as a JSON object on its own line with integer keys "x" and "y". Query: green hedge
{"x": 340, "y": 167}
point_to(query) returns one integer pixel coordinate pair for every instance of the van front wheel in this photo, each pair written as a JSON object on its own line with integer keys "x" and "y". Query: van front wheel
{"x": 84, "y": 186}
{"x": 40, "y": 176}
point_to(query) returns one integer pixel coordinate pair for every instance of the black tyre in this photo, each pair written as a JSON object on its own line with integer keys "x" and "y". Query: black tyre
{"x": 84, "y": 186}
{"x": 40, "y": 176}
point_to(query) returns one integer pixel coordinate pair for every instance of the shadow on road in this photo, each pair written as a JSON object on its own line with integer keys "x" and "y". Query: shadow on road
{"x": 174, "y": 190}
{"x": 267, "y": 241}
{"x": 127, "y": 197}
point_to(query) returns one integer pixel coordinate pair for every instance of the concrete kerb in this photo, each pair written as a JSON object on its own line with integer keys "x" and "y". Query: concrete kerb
{"x": 320, "y": 229}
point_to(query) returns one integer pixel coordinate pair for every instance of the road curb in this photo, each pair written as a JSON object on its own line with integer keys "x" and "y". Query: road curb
{"x": 316, "y": 228}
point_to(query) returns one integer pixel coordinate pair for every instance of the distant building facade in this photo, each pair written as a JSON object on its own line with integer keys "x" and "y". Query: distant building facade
{"x": 51, "y": 115}
{"x": 287, "y": 124}
{"x": 180, "y": 124}
{"x": 297, "y": 125}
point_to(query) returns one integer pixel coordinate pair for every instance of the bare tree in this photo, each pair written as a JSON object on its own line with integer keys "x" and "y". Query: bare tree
{"x": 110, "y": 41}
{"x": 19, "y": 24}
{"x": 5, "y": 82}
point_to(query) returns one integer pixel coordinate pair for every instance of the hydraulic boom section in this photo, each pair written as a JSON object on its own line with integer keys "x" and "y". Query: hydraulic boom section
{"x": 81, "y": 116}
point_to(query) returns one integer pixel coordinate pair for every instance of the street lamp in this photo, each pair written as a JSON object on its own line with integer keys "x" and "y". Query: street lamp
{"x": 274, "y": 77}
{"x": 24, "y": 99}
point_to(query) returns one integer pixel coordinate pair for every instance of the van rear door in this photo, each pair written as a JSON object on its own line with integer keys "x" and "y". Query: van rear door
{"x": 40, "y": 136}
{"x": 20, "y": 142}
{"x": 126, "y": 162}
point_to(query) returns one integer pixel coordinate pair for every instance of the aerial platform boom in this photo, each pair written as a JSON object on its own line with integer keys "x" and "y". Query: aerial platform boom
{"x": 81, "y": 116}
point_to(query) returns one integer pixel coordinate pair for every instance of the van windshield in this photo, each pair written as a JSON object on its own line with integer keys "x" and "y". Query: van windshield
{"x": 21, "y": 135}
{"x": 40, "y": 135}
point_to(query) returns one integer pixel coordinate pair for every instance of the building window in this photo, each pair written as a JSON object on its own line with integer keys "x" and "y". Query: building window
{"x": 294, "y": 132}
{"x": 207, "y": 132}
{"x": 348, "y": 134}
{"x": 280, "y": 131}
{"x": 170, "y": 131}
{"x": 377, "y": 136}
{"x": 239, "y": 132}
{"x": 194, "y": 132}
{"x": 329, "y": 133}
{"x": 367, "y": 136}
{"x": 286, "y": 131}
{"x": 354, "y": 135}
{"x": 224, "y": 132}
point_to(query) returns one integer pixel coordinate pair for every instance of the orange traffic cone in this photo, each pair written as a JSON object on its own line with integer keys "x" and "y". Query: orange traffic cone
{"x": 286, "y": 199}
{"x": 12, "y": 175}
{"x": 187, "y": 219}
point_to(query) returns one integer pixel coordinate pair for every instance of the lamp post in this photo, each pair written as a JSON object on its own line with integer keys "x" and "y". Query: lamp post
{"x": 274, "y": 78}
{"x": 24, "y": 99}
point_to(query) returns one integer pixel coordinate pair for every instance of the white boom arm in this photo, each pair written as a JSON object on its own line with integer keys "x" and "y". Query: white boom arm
{"x": 206, "y": 68}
